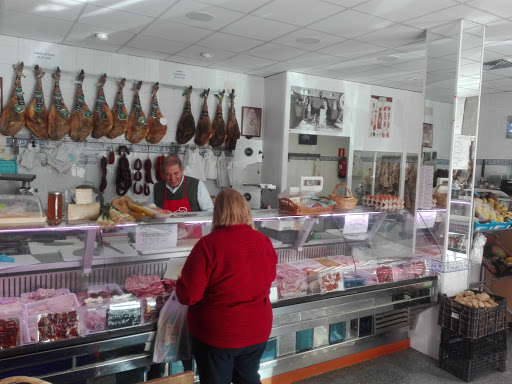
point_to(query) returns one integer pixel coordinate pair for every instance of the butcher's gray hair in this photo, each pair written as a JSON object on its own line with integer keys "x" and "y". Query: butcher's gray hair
{"x": 172, "y": 160}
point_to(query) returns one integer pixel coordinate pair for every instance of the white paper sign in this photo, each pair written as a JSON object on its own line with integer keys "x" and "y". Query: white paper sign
{"x": 355, "y": 224}
{"x": 44, "y": 57}
{"x": 461, "y": 152}
{"x": 156, "y": 236}
{"x": 426, "y": 219}
{"x": 273, "y": 294}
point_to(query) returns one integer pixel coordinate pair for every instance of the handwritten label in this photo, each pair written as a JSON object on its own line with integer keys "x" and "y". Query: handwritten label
{"x": 355, "y": 224}
{"x": 120, "y": 317}
{"x": 461, "y": 152}
{"x": 426, "y": 219}
{"x": 43, "y": 57}
{"x": 156, "y": 236}
{"x": 179, "y": 74}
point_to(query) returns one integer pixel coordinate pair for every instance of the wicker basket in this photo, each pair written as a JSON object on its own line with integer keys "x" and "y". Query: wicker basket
{"x": 289, "y": 206}
{"x": 23, "y": 380}
{"x": 343, "y": 202}
{"x": 441, "y": 198}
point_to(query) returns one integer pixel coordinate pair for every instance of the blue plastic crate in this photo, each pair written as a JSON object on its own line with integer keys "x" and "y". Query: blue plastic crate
{"x": 9, "y": 166}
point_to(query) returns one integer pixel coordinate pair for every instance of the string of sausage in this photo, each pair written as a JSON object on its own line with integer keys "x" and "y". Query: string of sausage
{"x": 137, "y": 175}
{"x": 148, "y": 179}
{"x": 124, "y": 176}
{"x": 103, "y": 184}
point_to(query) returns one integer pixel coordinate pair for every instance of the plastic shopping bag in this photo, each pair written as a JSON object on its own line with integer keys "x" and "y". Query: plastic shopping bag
{"x": 172, "y": 341}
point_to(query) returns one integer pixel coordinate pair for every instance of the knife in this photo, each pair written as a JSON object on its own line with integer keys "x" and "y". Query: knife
{"x": 107, "y": 244}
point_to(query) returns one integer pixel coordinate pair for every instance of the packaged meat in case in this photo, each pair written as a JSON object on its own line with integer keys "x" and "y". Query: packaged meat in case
{"x": 57, "y": 326}
{"x": 105, "y": 291}
{"x": 290, "y": 282}
{"x": 312, "y": 271}
{"x": 10, "y": 303}
{"x": 93, "y": 318}
{"x": 331, "y": 279}
{"x": 55, "y": 304}
{"x": 10, "y": 333}
{"x": 151, "y": 307}
{"x": 42, "y": 294}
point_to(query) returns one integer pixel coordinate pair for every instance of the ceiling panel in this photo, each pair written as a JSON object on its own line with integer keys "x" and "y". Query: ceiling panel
{"x": 259, "y": 28}
{"x": 246, "y": 62}
{"x": 394, "y": 36}
{"x": 450, "y": 14}
{"x": 143, "y": 53}
{"x": 177, "y": 13}
{"x": 237, "y": 5}
{"x": 156, "y": 8}
{"x": 314, "y": 59}
{"x": 310, "y": 11}
{"x": 194, "y": 51}
{"x": 176, "y": 32}
{"x": 326, "y": 39}
{"x": 114, "y": 19}
{"x": 83, "y": 36}
{"x": 34, "y": 27}
{"x": 275, "y": 52}
{"x": 498, "y": 31}
{"x": 156, "y": 44}
{"x": 498, "y": 7}
{"x": 401, "y": 10}
{"x": 345, "y": 3}
{"x": 227, "y": 42}
{"x": 58, "y": 9}
{"x": 351, "y": 49}
{"x": 351, "y": 24}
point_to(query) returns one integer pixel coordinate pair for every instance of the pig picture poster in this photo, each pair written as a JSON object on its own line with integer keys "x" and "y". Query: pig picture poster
{"x": 380, "y": 116}
{"x": 316, "y": 110}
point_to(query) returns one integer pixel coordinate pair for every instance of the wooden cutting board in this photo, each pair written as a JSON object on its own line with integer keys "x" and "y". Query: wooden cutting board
{"x": 22, "y": 221}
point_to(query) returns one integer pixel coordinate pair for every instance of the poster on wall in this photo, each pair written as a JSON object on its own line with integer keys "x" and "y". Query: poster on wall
{"x": 380, "y": 116}
{"x": 251, "y": 122}
{"x": 316, "y": 111}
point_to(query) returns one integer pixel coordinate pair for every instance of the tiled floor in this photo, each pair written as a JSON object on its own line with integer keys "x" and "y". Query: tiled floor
{"x": 406, "y": 367}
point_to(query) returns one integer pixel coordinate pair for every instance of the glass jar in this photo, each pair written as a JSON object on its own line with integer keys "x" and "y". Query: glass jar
{"x": 54, "y": 214}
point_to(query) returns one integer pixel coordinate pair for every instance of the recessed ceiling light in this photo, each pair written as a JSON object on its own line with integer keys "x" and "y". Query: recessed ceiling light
{"x": 200, "y": 16}
{"x": 102, "y": 35}
{"x": 206, "y": 55}
{"x": 307, "y": 40}
{"x": 388, "y": 58}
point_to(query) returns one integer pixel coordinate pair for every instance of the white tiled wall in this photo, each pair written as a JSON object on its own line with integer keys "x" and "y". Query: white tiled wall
{"x": 249, "y": 92}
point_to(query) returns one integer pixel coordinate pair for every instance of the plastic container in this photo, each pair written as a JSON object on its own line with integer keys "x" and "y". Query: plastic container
{"x": 467, "y": 369}
{"x": 104, "y": 290}
{"x": 151, "y": 307}
{"x": 472, "y": 323}
{"x": 10, "y": 333}
{"x": 468, "y": 348}
{"x": 42, "y": 294}
{"x": 93, "y": 319}
{"x": 21, "y": 211}
{"x": 290, "y": 282}
{"x": 55, "y": 304}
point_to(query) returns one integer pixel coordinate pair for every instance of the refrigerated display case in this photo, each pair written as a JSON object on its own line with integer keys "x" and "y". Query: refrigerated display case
{"x": 347, "y": 282}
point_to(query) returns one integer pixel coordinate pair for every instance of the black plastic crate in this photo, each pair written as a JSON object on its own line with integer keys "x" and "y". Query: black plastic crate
{"x": 468, "y": 348}
{"x": 467, "y": 369}
{"x": 469, "y": 322}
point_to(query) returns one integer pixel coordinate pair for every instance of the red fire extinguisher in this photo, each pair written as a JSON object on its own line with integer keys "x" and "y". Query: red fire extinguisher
{"x": 342, "y": 167}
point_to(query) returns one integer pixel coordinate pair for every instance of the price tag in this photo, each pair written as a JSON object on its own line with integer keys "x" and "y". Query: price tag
{"x": 273, "y": 294}
{"x": 355, "y": 224}
{"x": 426, "y": 219}
{"x": 123, "y": 315}
{"x": 161, "y": 236}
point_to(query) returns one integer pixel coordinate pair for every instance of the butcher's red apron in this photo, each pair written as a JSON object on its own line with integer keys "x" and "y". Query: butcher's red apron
{"x": 182, "y": 205}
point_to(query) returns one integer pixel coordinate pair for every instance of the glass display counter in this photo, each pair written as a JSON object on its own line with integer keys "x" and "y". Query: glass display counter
{"x": 341, "y": 276}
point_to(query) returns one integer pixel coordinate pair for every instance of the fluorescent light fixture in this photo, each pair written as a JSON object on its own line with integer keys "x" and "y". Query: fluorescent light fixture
{"x": 200, "y": 16}
{"x": 102, "y": 35}
{"x": 388, "y": 58}
{"x": 307, "y": 40}
{"x": 206, "y": 55}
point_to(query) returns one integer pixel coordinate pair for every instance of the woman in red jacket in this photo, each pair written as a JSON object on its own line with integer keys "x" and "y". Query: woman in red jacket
{"x": 226, "y": 282}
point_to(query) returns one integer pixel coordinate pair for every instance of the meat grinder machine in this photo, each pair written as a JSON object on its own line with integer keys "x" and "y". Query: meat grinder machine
{"x": 247, "y": 170}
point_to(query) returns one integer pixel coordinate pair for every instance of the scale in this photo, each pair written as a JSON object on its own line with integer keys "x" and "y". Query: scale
{"x": 25, "y": 180}
{"x": 311, "y": 184}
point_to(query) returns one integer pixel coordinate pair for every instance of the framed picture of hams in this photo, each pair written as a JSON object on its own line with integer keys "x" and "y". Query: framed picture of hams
{"x": 251, "y": 121}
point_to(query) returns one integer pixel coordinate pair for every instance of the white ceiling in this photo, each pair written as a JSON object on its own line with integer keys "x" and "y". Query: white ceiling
{"x": 259, "y": 37}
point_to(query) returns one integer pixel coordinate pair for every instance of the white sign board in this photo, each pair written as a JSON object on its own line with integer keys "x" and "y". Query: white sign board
{"x": 355, "y": 224}
{"x": 160, "y": 236}
{"x": 461, "y": 152}
{"x": 44, "y": 57}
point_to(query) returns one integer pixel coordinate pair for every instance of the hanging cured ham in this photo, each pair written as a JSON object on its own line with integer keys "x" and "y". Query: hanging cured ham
{"x": 137, "y": 126}
{"x": 157, "y": 124}
{"x": 233, "y": 133}
{"x": 58, "y": 118}
{"x": 119, "y": 114}
{"x": 36, "y": 115}
{"x": 81, "y": 117}
{"x": 102, "y": 116}
{"x": 218, "y": 125}
{"x": 204, "y": 130}
{"x": 186, "y": 124}
{"x": 13, "y": 116}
